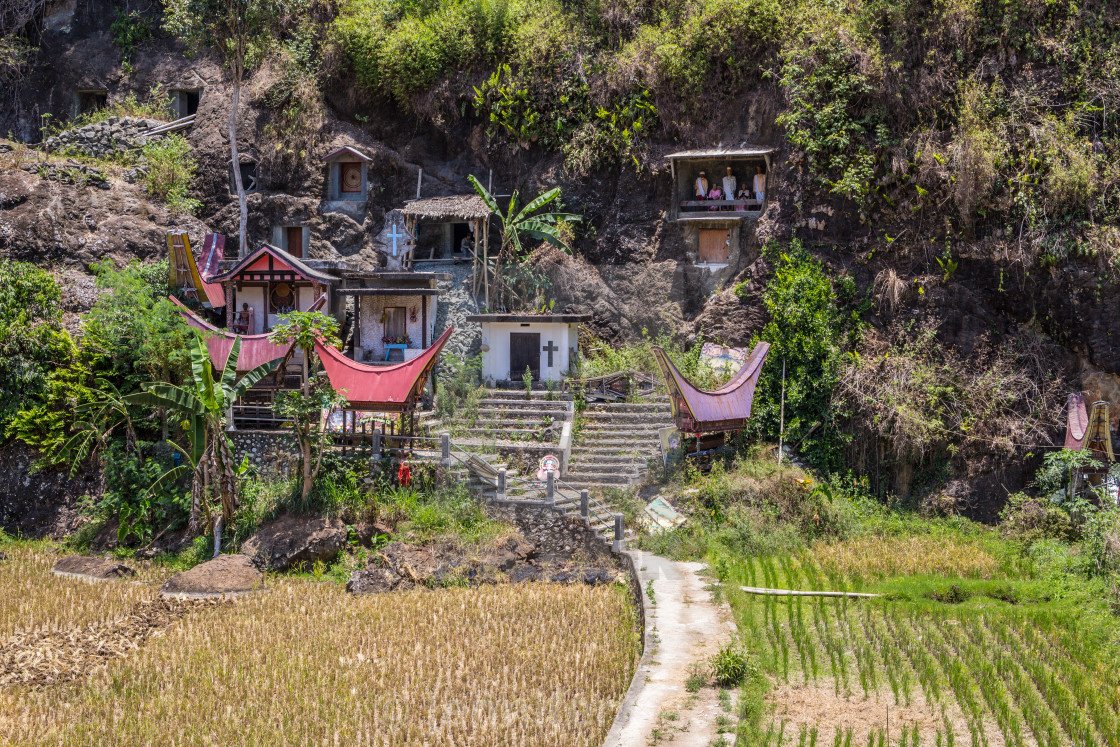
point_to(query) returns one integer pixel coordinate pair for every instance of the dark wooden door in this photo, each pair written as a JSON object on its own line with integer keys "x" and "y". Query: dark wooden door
{"x": 294, "y": 239}
{"x": 524, "y": 352}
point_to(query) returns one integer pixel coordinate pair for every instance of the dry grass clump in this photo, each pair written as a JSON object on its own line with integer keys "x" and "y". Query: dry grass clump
{"x": 879, "y": 557}
{"x": 306, "y": 663}
{"x": 34, "y": 600}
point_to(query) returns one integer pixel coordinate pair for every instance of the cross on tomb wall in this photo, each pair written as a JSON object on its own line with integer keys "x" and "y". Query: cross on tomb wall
{"x": 394, "y": 235}
{"x": 550, "y": 348}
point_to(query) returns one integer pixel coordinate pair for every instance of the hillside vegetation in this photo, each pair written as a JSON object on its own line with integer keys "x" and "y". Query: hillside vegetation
{"x": 985, "y": 119}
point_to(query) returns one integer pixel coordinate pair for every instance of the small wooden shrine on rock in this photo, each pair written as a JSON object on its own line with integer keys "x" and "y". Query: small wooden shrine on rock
{"x": 714, "y": 191}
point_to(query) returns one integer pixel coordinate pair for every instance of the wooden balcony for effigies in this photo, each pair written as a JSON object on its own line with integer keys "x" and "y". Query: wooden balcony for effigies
{"x": 709, "y": 210}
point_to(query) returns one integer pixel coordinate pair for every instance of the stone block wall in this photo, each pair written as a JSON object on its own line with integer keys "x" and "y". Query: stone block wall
{"x": 272, "y": 453}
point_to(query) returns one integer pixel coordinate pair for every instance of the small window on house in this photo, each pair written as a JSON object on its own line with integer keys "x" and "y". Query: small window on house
{"x": 185, "y": 102}
{"x": 281, "y": 299}
{"x": 293, "y": 240}
{"x": 248, "y": 177}
{"x": 89, "y": 101}
{"x": 395, "y": 324}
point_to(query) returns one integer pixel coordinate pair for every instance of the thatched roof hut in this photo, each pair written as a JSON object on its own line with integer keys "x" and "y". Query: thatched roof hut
{"x": 467, "y": 208}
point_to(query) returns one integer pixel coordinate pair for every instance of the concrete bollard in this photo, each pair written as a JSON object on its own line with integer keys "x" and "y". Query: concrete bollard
{"x": 617, "y": 546}
{"x": 501, "y": 484}
{"x": 550, "y": 487}
{"x": 585, "y": 507}
{"x": 445, "y": 449}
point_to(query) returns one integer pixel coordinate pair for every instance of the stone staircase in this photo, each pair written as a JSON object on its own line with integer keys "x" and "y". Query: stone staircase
{"x": 508, "y": 417}
{"x": 615, "y": 442}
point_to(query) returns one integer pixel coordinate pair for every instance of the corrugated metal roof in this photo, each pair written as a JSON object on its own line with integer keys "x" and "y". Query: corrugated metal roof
{"x": 744, "y": 151}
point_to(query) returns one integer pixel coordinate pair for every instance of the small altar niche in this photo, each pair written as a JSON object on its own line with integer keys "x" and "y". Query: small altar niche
{"x": 347, "y": 172}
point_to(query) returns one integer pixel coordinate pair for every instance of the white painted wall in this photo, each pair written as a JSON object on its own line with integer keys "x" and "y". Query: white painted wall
{"x": 372, "y": 330}
{"x": 495, "y": 348}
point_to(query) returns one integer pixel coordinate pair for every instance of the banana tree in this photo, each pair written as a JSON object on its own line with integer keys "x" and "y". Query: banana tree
{"x": 536, "y": 220}
{"x": 203, "y": 403}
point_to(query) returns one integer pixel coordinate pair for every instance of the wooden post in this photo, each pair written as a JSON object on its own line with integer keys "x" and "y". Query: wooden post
{"x": 486, "y": 264}
{"x": 618, "y": 534}
{"x": 419, "y": 181}
{"x": 375, "y": 445}
{"x": 585, "y": 506}
{"x": 782, "y": 416}
{"x": 501, "y": 488}
{"x": 445, "y": 449}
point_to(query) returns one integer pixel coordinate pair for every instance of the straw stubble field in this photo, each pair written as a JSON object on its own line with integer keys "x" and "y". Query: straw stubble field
{"x": 306, "y": 663}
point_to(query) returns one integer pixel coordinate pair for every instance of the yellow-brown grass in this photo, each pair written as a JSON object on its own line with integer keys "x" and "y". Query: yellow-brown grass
{"x": 32, "y": 599}
{"x": 306, "y": 663}
{"x": 879, "y": 557}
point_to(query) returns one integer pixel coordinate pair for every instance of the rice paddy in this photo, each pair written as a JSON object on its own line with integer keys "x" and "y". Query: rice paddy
{"x": 948, "y": 657}
{"x": 307, "y": 663}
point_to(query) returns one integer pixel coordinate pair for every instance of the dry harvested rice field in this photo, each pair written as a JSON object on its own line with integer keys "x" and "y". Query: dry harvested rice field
{"x": 951, "y": 655}
{"x": 306, "y": 663}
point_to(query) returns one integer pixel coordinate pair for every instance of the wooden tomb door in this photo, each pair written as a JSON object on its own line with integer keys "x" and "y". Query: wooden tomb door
{"x": 524, "y": 352}
{"x": 715, "y": 245}
{"x": 350, "y": 176}
{"x": 293, "y": 237}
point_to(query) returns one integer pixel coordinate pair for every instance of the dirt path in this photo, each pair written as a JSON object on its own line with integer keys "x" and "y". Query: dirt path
{"x": 684, "y": 627}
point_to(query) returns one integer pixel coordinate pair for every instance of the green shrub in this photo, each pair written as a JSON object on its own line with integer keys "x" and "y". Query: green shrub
{"x": 33, "y": 342}
{"x": 169, "y": 170}
{"x": 730, "y": 666}
{"x": 832, "y": 115}
{"x": 1029, "y": 519}
{"x": 814, "y": 320}
{"x": 129, "y": 30}
{"x": 129, "y": 499}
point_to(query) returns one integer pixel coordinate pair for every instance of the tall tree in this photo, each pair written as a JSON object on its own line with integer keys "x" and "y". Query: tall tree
{"x": 232, "y": 27}
{"x": 301, "y": 329}
{"x": 204, "y": 403}
{"x": 538, "y": 219}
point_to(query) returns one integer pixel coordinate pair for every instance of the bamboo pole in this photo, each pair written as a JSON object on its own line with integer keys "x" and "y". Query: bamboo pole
{"x": 795, "y": 593}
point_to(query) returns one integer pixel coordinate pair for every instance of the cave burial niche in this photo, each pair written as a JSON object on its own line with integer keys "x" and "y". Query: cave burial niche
{"x": 185, "y": 101}
{"x": 248, "y": 168}
{"x": 347, "y": 175}
{"x": 90, "y": 100}
{"x": 294, "y": 238}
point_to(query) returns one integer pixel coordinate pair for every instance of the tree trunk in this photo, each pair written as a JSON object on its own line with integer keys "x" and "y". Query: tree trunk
{"x": 308, "y": 476}
{"x": 235, "y": 159}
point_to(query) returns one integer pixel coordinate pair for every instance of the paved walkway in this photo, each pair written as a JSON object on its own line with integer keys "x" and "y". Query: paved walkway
{"x": 684, "y": 628}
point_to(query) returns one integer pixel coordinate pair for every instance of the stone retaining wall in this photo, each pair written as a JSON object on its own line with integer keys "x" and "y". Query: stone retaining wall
{"x": 272, "y": 453}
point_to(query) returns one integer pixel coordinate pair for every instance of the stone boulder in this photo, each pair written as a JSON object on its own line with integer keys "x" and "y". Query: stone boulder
{"x": 291, "y": 540}
{"x": 92, "y": 567}
{"x": 225, "y": 575}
